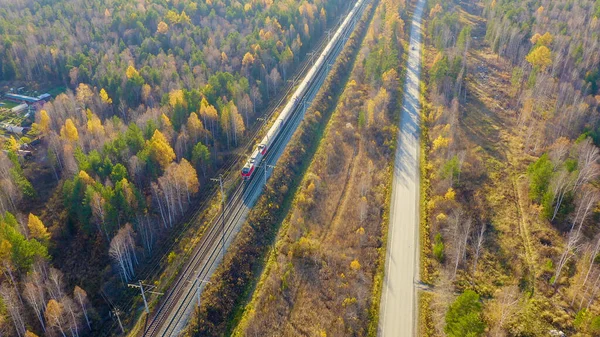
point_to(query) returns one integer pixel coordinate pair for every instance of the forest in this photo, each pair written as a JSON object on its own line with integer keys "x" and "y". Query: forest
{"x": 511, "y": 169}
{"x": 291, "y": 243}
{"x": 161, "y": 95}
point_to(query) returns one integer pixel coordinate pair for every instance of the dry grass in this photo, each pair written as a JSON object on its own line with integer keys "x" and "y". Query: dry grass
{"x": 519, "y": 242}
{"x": 320, "y": 277}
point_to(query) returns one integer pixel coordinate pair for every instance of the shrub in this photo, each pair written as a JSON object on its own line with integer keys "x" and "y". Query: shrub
{"x": 438, "y": 248}
{"x": 539, "y": 173}
{"x": 463, "y": 319}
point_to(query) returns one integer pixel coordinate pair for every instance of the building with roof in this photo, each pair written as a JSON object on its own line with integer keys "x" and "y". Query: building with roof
{"x": 21, "y": 98}
{"x": 13, "y": 128}
{"x": 27, "y": 99}
{"x": 45, "y": 97}
{"x": 19, "y": 108}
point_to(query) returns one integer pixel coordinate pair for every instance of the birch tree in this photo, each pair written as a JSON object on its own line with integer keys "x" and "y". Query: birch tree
{"x": 585, "y": 205}
{"x": 55, "y": 316}
{"x": 479, "y": 245}
{"x": 54, "y": 284}
{"x": 81, "y": 298}
{"x": 461, "y": 230}
{"x": 122, "y": 250}
{"x": 35, "y": 297}
{"x": 14, "y": 307}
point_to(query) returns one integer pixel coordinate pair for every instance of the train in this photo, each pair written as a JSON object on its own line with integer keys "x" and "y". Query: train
{"x": 265, "y": 144}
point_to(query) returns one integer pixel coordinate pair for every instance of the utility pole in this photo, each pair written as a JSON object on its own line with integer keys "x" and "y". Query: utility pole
{"x": 264, "y": 122}
{"x": 200, "y": 281}
{"x": 267, "y": 166}
{"x": 312, "y": 57}
{"x": 220, "y": 180}
{"x": 116, "y": 313}
{"x": 141, "y": 286}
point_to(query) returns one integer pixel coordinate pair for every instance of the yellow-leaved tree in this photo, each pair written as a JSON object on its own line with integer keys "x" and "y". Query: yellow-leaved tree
{"x": 166, "y": 122}
{"x": 540, "y": 57}
{"x": 94, "y": 124}
{"x": 12, "y": 144}
{"x": 195, "y": 126}
{"x": 69, "y": 131}
{"x": 161, "y": 150}
{"x": 162, "y": 28}
{"x": 104, "y": 97}
{"x": 44, "y": 121}
{"x": 83, "y": 93}
{"x": 37, "y": 228}
{"x": 542, "y": 40}
{"x": 131, "y": 72}
{"x": 175, "y": 97}
{"x": 54, "y": 315}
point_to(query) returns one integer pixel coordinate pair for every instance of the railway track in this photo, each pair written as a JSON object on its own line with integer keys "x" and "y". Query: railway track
{"x": 177, "y": 305}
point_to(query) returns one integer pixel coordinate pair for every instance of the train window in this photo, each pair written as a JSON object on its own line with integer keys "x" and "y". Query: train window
{"x": 245, "y": 170}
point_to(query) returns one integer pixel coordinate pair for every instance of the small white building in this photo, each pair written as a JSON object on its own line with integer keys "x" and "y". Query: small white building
{"x": 13, "y": 128}
{"x": 19, "y": 108}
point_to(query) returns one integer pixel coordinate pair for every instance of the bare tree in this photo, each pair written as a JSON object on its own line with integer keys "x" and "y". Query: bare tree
{"x": 81, "y": 297}
{"x": 14, "y": 308}
{"x": 98, "y": 205}
{"x": 73, "y": 315}
{"x": 479, "y": 245}
{"x": 504, "y": 306}
{"x": 122, "y": 250}
{"x": 145, "y": 227}
{"x": 275, "y": 78}
{"x": 587, "y": 163}
{"x": 586, "y": 203}
{"x": 562, "y": 183}
{"x": 35, "y": 296}
{"x": 461, "y": 230}
{"x": 55, "y": 284}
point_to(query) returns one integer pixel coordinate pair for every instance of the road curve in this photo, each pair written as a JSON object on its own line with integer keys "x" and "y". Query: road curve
{"x": 398, "y": 311}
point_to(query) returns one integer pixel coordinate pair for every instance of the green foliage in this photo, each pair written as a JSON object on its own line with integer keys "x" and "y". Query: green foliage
{"x": 362, "y": 119}
{"x": 451, "y": 169}
{"x": 77, "y": 202}
{"x": 595, "y": 326}
{"x": 118, "y": 173}
{"x": 580, "y": 318}
{"x": 438, "y": 248}
{"x": 19, "y": 178}
{"x": 464, "y": 318}
{"x": 134, "y": 137}
{"x": 571, "y": 164}
{"x": 23, "y": 252}
{"x": 517, "y": 77}
{"x": 547, "y": 203}
{"x": 201, "y": 156}
{"x": 464, "y": 37}
{"x": 381, "y": 59}
{"x": 444, "y": 30}
{"x": 439, "y": 70}
{"x": 235, "y": 278}
{"x": 540, "y": 174}
{"x": 171, "y": 257}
